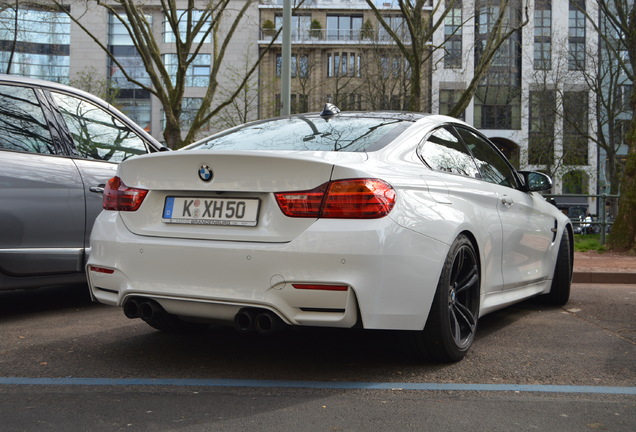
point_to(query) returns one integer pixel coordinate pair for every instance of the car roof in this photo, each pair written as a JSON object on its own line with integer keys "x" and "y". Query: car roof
{"x": 50, "y": 85}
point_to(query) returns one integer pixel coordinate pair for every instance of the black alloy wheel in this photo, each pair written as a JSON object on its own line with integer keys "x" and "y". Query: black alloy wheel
{"x": 452, "y": 321}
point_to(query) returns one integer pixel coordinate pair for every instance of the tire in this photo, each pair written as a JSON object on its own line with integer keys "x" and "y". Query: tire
{"x": 452, "y": 321}
{"x": 560, "y": 290}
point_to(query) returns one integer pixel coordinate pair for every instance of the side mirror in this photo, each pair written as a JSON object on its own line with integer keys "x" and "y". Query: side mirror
{"x": 535, "y": 181}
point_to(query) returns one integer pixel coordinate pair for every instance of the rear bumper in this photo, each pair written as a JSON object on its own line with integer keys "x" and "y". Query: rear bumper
{"x": 391, "y": 273}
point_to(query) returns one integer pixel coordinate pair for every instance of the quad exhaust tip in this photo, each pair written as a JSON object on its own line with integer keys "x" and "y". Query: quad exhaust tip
{"x": 259, "y": 320}
{"x": 142, "y": 308}
{"x": 246, "y": 320}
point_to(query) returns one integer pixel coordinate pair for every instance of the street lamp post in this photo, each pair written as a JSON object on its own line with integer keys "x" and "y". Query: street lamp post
{"x": 285, "y": 82}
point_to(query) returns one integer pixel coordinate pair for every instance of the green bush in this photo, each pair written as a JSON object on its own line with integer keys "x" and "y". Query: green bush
{"x": 588, "y": 242}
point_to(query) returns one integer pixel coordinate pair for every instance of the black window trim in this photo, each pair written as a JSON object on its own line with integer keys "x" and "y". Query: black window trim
{"x": 505, "y": 159}
{"x": 455, "y": 126}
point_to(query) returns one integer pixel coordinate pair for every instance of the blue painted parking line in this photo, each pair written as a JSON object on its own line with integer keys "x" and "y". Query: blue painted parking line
{"x": 316, "y": 385}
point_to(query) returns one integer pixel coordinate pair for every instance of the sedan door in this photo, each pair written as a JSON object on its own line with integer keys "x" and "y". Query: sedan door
{"x": 527, "y": 228}
{"x": 42, "y": 215}
{"x": 101, "y": 139}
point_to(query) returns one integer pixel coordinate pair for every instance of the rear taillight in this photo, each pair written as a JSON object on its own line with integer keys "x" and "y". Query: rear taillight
{"x": 118, "y": 196}
{"x": 342, "y": 199}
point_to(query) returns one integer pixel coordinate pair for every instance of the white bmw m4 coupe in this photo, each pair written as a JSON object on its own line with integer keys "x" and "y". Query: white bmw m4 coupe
{"x": 377, "y": 220}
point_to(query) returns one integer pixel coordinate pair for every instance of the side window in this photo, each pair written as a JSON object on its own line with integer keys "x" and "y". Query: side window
{"x": 97, "y": 133}
{"x": 22, "y": 123}
{"x": 443, "y": 151}
{"x": 492, "y": 166}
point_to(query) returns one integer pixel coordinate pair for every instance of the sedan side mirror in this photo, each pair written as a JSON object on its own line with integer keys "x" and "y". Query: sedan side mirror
{"x": 535, "y": 181}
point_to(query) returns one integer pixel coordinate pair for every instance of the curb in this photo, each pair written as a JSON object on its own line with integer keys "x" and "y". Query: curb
{"x": 604, "y": 278}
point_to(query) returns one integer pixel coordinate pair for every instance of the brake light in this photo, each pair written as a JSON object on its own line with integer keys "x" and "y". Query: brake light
{"x": 341, "y": 199}
{"x": 119, "y": 197}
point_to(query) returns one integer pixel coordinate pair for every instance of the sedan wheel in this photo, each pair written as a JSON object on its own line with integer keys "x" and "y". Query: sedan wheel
{"x": 560, "y": 290}
{"x": 452, "y": 321}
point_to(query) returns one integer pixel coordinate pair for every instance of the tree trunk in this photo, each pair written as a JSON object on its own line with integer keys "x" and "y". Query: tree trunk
{"x": 623, "y": 236}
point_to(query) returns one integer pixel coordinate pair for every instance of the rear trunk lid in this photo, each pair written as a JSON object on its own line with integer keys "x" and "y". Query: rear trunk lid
{"x": 224, "y": 195}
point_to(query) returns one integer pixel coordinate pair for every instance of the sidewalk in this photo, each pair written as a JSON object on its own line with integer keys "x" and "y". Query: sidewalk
{"x": 604, "y": 268}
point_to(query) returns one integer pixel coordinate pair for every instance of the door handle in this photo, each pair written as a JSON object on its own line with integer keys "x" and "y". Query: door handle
{"x": 507, "y": 201}
{"x": 97, "y": 189}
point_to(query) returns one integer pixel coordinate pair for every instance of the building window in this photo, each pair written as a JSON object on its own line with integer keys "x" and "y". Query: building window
{"x": 543, "y": 35}
{"x": 189, "y": 108}
{"x": 541, "y": 127}
{"x": 447, "y": 101}
{"x": 392, "y": 102}
{"x": 395, "y": 67}
{"x": 621, "y": 128}
{"x": 453, "y": 37}
{"x": 496, "y": 117}
{"x": 40, "y": 46}
{"x": 299, "y": 65}
{"x": 138, "y": 110}
{"x": 203, "y": 36}
{"x": 575, "y": 182}
{"x": 625, "y": 94}
{"x": 133, "y": 99}
{"x": 486, "y": 18}
{"x": 396, "y": 24}
{"x": 343, "y": 64}
{"x": 576, "y": 35}
{"x": 498, "y": 96}
{"x": 344, "y": 27}
{"x": 197, "y": 74}
{"x": 349, "y": 101}
{"x": 299, "y": 103}
{"x": 453, "y": 54}
{"x": 575, "y": 128}
{"x": 122, "y": 48}
{"x": 300, "y": 26}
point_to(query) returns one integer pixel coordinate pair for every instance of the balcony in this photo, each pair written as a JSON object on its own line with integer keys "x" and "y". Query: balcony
{"x": 329, "y": 37}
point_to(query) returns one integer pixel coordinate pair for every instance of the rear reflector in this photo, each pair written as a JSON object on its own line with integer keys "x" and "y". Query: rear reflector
{"x": 101, "y": 269}
{"x": 321, "y": 287}
{"x": 119, "y": 197}
{"x": 341, "y": 199}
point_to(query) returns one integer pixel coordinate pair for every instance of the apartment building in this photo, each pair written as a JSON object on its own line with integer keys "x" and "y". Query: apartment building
{"x": 539, "y": 102}
{"x": 45, "y": 43}
{"x": 340, "y": 54}
{"x": 536, "y": 102}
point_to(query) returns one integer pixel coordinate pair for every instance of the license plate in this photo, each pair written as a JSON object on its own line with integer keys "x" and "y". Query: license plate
{"x": 211, "y": 211}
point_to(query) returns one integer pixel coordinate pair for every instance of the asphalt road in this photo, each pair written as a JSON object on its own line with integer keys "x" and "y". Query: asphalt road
{"x": 68, "y": 364}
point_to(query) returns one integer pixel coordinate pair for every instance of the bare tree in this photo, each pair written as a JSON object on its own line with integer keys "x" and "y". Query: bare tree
{"x": 16, "y": 6}
{"x": 499, "y": 22}
{"x": 559, "y": 117}
{"x": 244, "y": 106}
{"x": 412, "y": 40}
{"x": 421, "y": 25}
{"x": 193, "y": 24}
{"x": 90, "y": 81}
{"x": 619, "y": 36}
{"x": 386, "y": 78}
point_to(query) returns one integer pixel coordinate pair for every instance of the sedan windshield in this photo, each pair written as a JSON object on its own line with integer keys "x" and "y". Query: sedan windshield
{"x": 350, "y": 134}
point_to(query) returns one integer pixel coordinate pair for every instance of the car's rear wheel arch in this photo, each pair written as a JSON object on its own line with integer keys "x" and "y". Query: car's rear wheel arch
{"x": 452, "y": 318}
{"x": 473, "y": 241}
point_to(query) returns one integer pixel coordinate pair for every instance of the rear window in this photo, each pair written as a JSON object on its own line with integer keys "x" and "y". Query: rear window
{"x": 340, "y": 133}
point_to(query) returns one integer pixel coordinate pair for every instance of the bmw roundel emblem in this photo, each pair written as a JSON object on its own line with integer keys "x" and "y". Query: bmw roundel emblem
{"x": 205, "y": 173}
